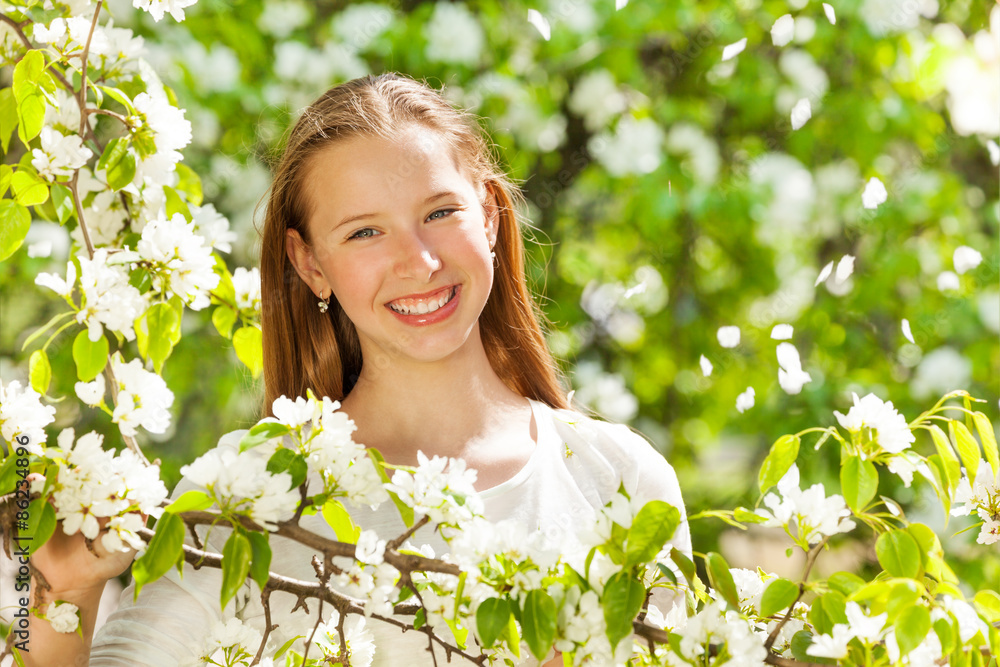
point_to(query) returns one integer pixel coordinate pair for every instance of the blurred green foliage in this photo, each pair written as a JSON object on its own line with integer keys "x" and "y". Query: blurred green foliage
{"x": 736, "y": 220}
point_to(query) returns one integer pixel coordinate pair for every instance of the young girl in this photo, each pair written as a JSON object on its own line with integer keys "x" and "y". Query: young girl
{"x": 393, "y": 280}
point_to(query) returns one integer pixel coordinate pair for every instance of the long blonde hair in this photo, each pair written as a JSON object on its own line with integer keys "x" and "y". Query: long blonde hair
{"x": 304, "y": 348}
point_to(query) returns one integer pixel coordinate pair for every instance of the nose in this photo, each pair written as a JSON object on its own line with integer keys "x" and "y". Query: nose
{"x": 415, "y": 257}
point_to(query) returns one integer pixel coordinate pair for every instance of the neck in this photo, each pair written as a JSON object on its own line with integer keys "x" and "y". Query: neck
{"x": 440, "y": 408}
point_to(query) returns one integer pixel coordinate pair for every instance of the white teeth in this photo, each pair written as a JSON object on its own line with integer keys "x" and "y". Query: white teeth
{"x": 423, "y": 307}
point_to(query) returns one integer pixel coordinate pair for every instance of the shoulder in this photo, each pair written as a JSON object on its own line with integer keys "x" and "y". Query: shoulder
{"x": 615, "y": 454}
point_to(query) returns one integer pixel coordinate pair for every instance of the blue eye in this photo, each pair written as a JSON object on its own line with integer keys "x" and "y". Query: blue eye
{"x": 361, "y": 234}
{"x": 447, "y": 211}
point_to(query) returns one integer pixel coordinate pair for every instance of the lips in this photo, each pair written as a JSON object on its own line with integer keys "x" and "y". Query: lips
{"x": 420, "y": 304}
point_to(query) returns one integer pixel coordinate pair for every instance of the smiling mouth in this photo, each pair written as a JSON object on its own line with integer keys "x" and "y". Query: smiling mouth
{"x": 422, "y": 306}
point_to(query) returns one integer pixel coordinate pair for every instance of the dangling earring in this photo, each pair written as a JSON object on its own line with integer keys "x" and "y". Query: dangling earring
{"x": 324, "y": 304}
{"x": 496, "y": 262}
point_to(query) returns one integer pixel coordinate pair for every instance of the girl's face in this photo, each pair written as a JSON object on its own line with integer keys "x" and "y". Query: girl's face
{"x": 402, "y": 238}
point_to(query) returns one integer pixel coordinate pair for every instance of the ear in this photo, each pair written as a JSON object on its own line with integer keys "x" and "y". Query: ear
{"x": 491, "y": 213}
{"x": 302, "y": 258}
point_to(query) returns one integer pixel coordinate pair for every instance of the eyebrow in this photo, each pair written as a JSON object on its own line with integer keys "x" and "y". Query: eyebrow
{"x": 365, "y": 216}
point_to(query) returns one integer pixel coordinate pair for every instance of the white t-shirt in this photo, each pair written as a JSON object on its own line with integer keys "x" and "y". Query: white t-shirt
{"x": 577, "y": 466}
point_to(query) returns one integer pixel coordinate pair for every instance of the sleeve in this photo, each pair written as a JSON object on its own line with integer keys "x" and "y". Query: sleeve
{"x": 168, "y": 624}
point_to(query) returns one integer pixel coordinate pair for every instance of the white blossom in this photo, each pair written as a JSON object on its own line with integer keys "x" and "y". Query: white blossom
{"x": 966, "y": 259}
{"x": 171, "y": 132}
{"x": 143, "y": 398}
{"x": 783, "y": 30}
{"x": 540, "y": 23}
{"x": 22, "y": 414}
{"x": 230, "y": 634}
{"x": 359, "y": 639}
{"x": 732, "y": 50}
{"x": 63, "y": 617}
{"x": 108, "y": 298}
{"x": 824, "y": 273}
{"x": 948, "y": 281}
{"x": 246, "y": 284}
{"x": 831, "y": 646}
{"x": 878, "y": 420}
{"x": 91, "y": 393}
{"x": 58, "y": 285}
{"x": 597, "y": 99}
{"x": 728, "y": 336}
{"x": 831, "y": 16}
{"x": 369, "y": 549}
{"x": 214, "y": 226}
{"x": 801, "y": 112}
{"x": 157, "y": 8}
{"x": 782, "y": 332}
{"x": 453, "y": 35}
{"x": 874, "y": 194}
{"x": 845, "y": 267}
{"x": 907, "y": 333}
{"x": 441, "y": 488}
{"x": 745, "y": 401}
{"x": 865, "y": 628}
{"x": 706, "y": 366}
{"x": 811, "y": 512}
{"x": 982, "y": 497}
{"x": 59, "y": 155}
{"x": 183, "y": 264}
{"x": 634, "y": 147}
{"x": 791, "y": 377}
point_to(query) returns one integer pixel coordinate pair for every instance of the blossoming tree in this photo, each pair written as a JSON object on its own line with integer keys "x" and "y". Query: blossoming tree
{"x": 100, "y": 136}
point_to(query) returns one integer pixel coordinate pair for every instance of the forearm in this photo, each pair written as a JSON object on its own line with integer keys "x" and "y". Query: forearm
{"x": 48, "y": 648}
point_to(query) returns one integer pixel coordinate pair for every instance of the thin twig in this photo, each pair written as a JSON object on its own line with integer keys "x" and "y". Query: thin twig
{"x": 810, "y": 561}
{"x": 397, "y": 542}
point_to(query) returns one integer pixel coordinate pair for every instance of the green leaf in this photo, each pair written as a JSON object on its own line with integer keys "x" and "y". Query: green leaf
{"x": 928, "y": 546}
{"x": 161, "y": 326}
{"x": 261, "y": 433}
{"x": 40, "y": 372}
{"x": 260, "y": 566}
{"x": 62, "y": 203}
{"x": 845, "y": 583}
{"x": 14, "y": 223}
{"x": 8, "y": 474}
{"x": 286, "y": 460}
{"x": 405, "y": 511}
{"x": 119, "y": 162}
{"x": 898, "y": 553}
{"x": 989, "y": 440}
{"x": 163, "y": 551}
{"x": 779, "y": 595}
{"x": 492, "y": 617}
{"x": 190, "y": 501}
{"x": 781, "y": 457}
{"x": 827, "y": 611}
{"x": 175, "y": 204}
{"x": 236, "y": 556}
{"x": 538, "y": 622}
{"x": 685, "y": 564}
{"x": 189, "y": 184}
{"x": 903, "y": 595}
{"x": 6, "y": 173}
{"x": 41, "y": 524}
{"x": 118, "y": 96}
{"x": 968, "y": 448}
{"x": 721, "y": 579}
{"x": 339, "y": 519}
{"x": 945, "y": 634}
{"x": 988, "y": 604}
{"x": 912, "y": 627}
{"x": 858, "y": 482}
{"x": 744, "y": 515}
{"x": 622, "y": 600}
{"x": 29, "y": 100}
{"x": 30, "y": 189}
{"x": 8, "y": 118}
{"x": 248, "y": 345}
{"x": 224, "y": 318}
{"x": 90, "y": 356}
{"x": 654, "y": 524}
